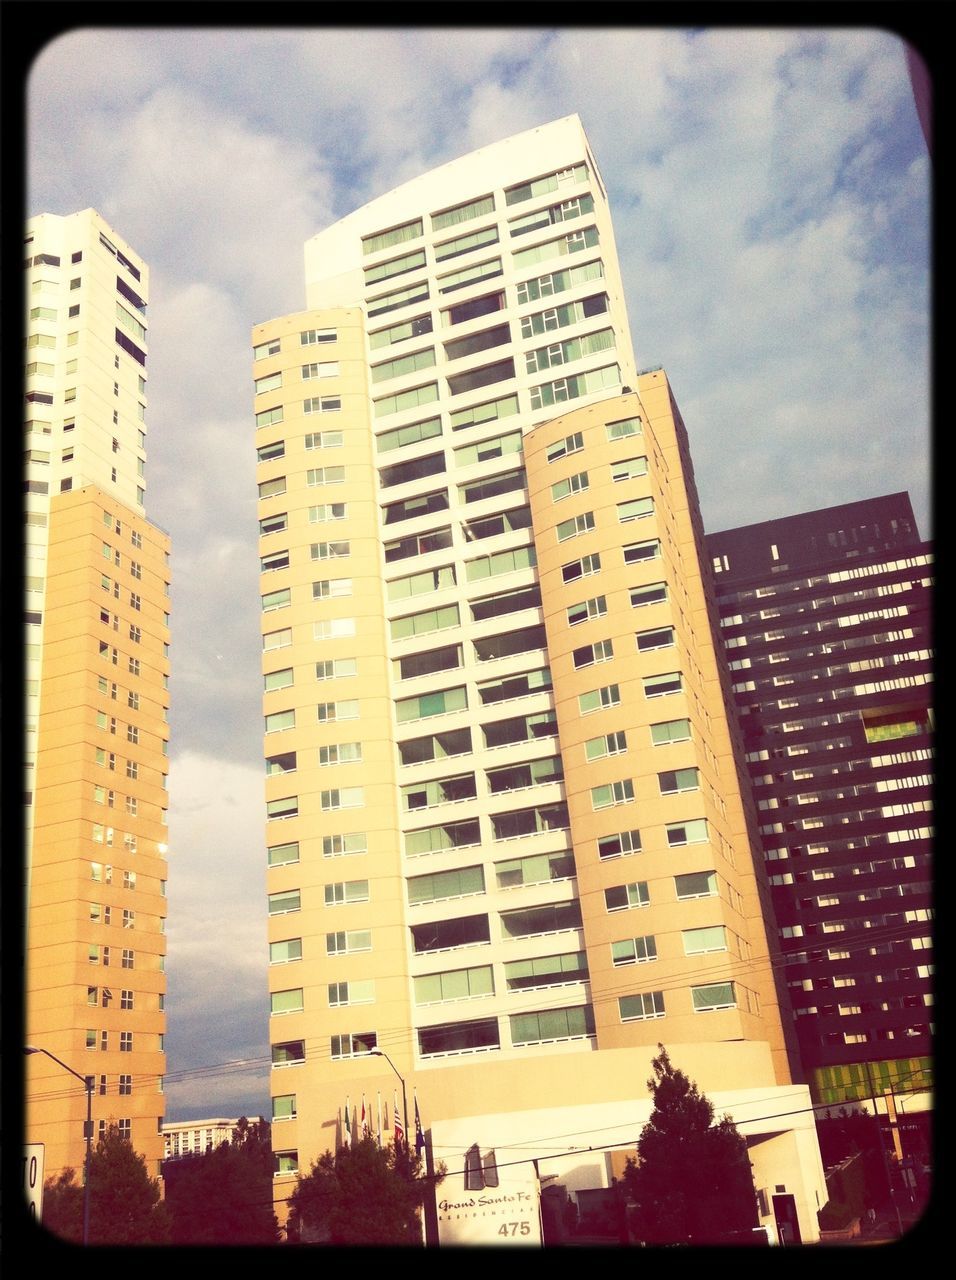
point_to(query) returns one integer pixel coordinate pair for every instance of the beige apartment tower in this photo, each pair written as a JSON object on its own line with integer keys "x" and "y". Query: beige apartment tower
{"x": 97, "y": 664}
{"x": 506, "y": 837}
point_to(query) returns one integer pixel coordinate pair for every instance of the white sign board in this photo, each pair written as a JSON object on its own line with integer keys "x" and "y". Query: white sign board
{"x": 503, "y": 1214}
{"x": 33, "y": 1179}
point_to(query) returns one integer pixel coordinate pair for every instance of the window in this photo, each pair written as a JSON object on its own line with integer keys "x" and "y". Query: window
{"x": 325, "y": 475}
{"x": 546, "y": 971}
{"x": 279, "y": 720}
{"x": 285, "y": 762}
{"x": 325, "y": 369}
{"x": 420, "y": 583}
{"x": 658, "y": 686}
{"x": 342, "y": 798}
{"x": 619, "y": 845}
{"x": 635, "y": 509}
{"x": 126, "y": 999}
{"x": 634, "y": 951}
{"x": 638, "y": 1008}
{"x": 281, "y": 855}
{"x": 459, "y": 1037}
{"x": 554, "y": 917}
{"x": 716, "y": 995}
{"x": 541, "y": 868}
{"x": 587, "y": 610}
{"x": 341, "y": 846}
{"x": 322, "y": 404}
{"x": 336, "y": 667}
{"x": 657, "y": 638}
{"x": 288, "y": 1054}
{"x": 678, "y": 780}
{"x": 331, "y": 712}
{"x": 129, "y": 959}
{"x": 692, "y": 832}
{"x": 696, "y": 884}
{"x": 126, "y": 1042}
{"x": 286, "y": 1001}
{"x": 608, "y": 744}
{"x": 344, "y": 993}
{"x": 596, "y": 699}
{"x": 612, "y": 793}
{"x": 670, "y": 731}
{"x": 129, "y": 919}
{"x": 622, "y": 897}
{"x": 441, "y": 885}
{"x": 573, "y": 484}
{"x": 346, "y": 942}
{"x": 413, "y": 398}
{"x": 411, "y": 363}
{"x": 341, "y": 753}
{"x": 449, "y": 835}
{"x": 333, "y": 629}
{"x": 700, "y": 941}
{"x": 424, "y": 795}
{"x": 284, "y": 1107}
{"x": 551, "y": 1024}
{"x": 455, "y": 984}
{"x": 570, "y": 444}
{"x": 589, "y": 654}
{"x": 328, "y": 511}
{"x": 582, "y": 568}
{"x": 282, "y": 903}
{"x": 474, "y": 274}
{"x": 332, "y": 589}
{"x": 414, "y": 433}
{"x": 431, "y": 704}
{"x": 285, "y": 952}
{"x": 265, "y": 349}
{"x": 652, "y": 593}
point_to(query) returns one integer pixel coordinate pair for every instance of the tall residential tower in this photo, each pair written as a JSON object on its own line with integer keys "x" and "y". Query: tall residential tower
{"x": 97, "y": 640}
{"x": 826, "y": 621}
{"x": 506, "y": 838}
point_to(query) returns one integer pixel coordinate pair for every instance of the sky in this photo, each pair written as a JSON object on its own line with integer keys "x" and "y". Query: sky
{"x": 770, "y": 192}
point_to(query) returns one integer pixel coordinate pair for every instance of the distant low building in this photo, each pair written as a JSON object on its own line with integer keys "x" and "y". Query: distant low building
{"x": 193, "y": 1137}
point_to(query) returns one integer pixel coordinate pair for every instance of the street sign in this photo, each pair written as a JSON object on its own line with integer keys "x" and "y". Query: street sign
{"x": 33, "y": 1179}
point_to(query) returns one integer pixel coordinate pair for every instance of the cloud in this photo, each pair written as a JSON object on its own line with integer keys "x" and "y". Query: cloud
{"x": 217, "y": 1001}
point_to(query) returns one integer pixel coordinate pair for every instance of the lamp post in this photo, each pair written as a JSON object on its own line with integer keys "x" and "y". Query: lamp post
{"x": 88, "y": 1086}
{"x": 380, "y": 1053}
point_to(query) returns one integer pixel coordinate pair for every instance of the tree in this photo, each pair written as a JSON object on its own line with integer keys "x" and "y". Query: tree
{"x": 225, "y": 1195}
{"x": 364, "y": 1194}
{"x": 125, "y": 1202}
{"x": 692, "y": 1181}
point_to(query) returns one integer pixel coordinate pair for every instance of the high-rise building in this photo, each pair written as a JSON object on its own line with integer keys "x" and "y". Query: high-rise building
{"x": 97, "y": 641}
{"x": 507, "y": 844}
{"x": 825, "y": 622}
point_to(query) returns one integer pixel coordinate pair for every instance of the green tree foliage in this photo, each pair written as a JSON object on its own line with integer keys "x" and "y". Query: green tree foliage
{"x": 125, "y": 1202}
{"x": 692, "y": 1181}
{"x": 855, "y": 1132}
{"x": 225, "y": 1195}
{"x": 363, "y": 1194}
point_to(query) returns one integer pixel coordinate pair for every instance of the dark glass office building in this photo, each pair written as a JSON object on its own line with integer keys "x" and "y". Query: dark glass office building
{"x": 825, "y": 622}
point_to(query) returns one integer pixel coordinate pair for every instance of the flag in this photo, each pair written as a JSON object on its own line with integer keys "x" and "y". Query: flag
{"x": 380, "y": 1118}
{"x": 419, "y": 1133}
{"x": 399, "y": 1126}
{"x": 366, "y": 1120}
{"x": 347, "y": 1129}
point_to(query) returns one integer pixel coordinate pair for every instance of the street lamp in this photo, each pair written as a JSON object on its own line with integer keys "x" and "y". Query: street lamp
{"x": 88, "y": 1086}
{"x": 380, "y": 1053}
